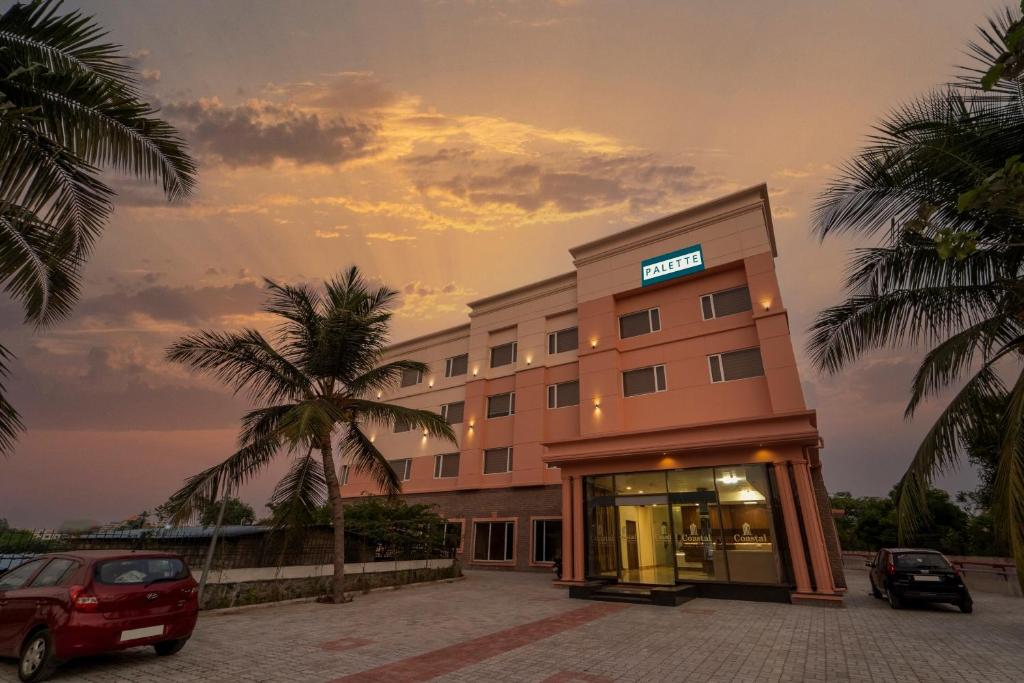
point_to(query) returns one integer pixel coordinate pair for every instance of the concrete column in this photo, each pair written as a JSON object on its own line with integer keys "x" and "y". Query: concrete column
{"x": 567, "y": 530}
{"x": 812, "y": 527}
{"x": 578, "y": 552}
{"x": 792, "y": 523}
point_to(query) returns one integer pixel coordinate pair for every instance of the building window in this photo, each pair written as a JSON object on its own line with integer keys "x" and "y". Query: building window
{"x": 563, "y": 340}
{"x": 547, "y": 540}
{"x": 736, "y": 365}
{"x": 453, "y": 412}
{"x": 503, "y": 355}
{"x": 402, "y": 468}
{"x": 402, "y": 425}
{"x": 721, "y": 304}
{"x": 344, "y": 474}
{"x": 641, "y": 322}
{"x": 498, "y": 460}
{"x": 494, "y": 541}
{"x": 501, "y": 405}
{"x": 451, "y": 531}
{"x": 643, "y": 381}
{"x": 411, "y": 377}
{"x": 456, "y": 365}
{"x": 446, "y": 465}
{"x": 564, "y": 394}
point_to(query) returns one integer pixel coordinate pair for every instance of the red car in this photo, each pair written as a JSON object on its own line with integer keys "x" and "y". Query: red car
{"x": 64, "y": 605}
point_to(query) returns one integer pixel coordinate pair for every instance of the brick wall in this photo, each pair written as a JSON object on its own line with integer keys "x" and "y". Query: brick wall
{"x": 835, "y": 553}
{"x": 520, "y": 503}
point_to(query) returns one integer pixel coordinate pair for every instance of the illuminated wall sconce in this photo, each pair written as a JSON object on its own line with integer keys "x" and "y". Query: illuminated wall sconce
{"x": 529, "y": 360}
{"x": 767, "y": 304}
{"x": 430, "y": 384}
{"x": 379, "y": 394}
{"x": 424, "y": 433}
{"x": 373, "y": 437}
{"x": 593, "y": 343}
{"x": 597, "y": 404}
{"x": 474, "y": 371}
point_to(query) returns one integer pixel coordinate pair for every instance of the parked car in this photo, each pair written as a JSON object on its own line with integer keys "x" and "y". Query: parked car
{"x": 64, "y": 605}
{"x": 904, "y": 574}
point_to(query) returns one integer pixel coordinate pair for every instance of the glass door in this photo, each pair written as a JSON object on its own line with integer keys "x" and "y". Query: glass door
{"x": 645, "y": 540}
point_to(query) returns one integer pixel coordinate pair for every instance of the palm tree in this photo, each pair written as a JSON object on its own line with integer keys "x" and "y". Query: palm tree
{"x": 941, "y": 189}
{"x": 69, "y": 107}
{"x": 315, "y": 382}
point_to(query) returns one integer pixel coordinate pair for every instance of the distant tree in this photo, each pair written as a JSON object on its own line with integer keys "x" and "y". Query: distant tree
{"x": 4, "y": 526}
{"x": 870, "y": 523}
{"x": 235, "y": 513}
{"x": 70, "y": 107}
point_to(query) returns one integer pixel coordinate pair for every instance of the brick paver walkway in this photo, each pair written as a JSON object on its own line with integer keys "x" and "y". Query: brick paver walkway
{"x": 496, "y": 626}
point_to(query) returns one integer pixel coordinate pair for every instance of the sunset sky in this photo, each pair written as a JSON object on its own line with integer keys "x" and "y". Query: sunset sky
{"x": 452, "y": 149}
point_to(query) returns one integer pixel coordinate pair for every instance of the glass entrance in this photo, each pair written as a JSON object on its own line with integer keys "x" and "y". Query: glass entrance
{"x": 645, "y": 540}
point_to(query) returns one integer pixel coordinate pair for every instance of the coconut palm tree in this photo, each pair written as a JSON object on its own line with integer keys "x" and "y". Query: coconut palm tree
{"x": 317, "y": 380}
{"x": 69, "y": 107}
{"x": 940, "y": 188}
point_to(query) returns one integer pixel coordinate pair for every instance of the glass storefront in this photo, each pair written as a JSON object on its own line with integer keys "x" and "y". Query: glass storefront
{"x": 703, "y": 524}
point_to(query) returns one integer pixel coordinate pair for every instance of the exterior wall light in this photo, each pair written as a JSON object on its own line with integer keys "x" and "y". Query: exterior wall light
{"x": 431, "y": 384}
{"x": 593, "y": 343}
{"x": 767, "y": 303}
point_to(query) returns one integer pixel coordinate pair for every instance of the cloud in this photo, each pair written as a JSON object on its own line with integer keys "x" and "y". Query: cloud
{"x": 327, "y": 234}
{"x": 259, "y": 133}
{"x": 427, "y": 301}
{"x": 389, "y": 237}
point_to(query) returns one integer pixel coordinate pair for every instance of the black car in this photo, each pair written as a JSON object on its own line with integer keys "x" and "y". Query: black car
{"x": 907, "y": 574}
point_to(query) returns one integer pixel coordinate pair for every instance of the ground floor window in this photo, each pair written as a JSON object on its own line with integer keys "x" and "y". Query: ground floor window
{"x": 699, "y": 524}
{"x": 494, "y": 541}
{"x": 547, "y": 540}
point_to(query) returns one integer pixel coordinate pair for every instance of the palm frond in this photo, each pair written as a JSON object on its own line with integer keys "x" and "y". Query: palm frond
{"x": 384, "y": 378}
{"x": 188, "y": 502}
{"x": 1008, "y": 499}
{"x": 357, "y": 449}
{"x": 244, "y": 361}
{"x": 387, "y": 414}
{"x": 10, "y": 422}
{"x": 941, "y": 446}
{"x": 300, "y": 493}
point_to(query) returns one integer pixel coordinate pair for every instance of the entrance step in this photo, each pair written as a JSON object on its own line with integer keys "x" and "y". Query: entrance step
{"x": 667, "y": 596}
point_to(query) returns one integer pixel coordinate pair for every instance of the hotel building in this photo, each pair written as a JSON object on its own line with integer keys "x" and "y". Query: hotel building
{"x": 639, "y": 418}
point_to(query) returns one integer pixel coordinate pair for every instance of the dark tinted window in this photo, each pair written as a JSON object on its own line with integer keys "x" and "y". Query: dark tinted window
{"x": 494, "y": 541}
{"x": 446, "y": 465}
{"x": 501, "y": 405}
{"x": 921, "y": 561}
{"x": 742, "y": 364}
{"x": 564, "y": 394}
{"x": 456, "y": 365}
{"x": 55, "y": 573}
{"x": 411, "y": 377}
{"x": 140, "y": 570}
{"x": 453, "y": 412}
{"x": 643, "y": 381}
{"x": 729, "y": 302}
{"x": 503, "y": 355}
{"x": 547, "y": 539}
{"x": 402, "y": 468}
{"x": 497, "y": 460}
{"x": 563, "y": 340}
{"x": 641, "y": 322}
{"x": 402, "y": 426}
{"x": 19, "y": 575}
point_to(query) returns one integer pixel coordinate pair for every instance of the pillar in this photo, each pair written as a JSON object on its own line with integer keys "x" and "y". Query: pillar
{"x": 792, "y": 524}
{"x": 577, "y": 529}
{"x": 567, "y": 529}
{"x": 812, "y": 527}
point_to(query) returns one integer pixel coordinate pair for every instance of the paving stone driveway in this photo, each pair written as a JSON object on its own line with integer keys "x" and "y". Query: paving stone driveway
{"x": 495, "y": 626}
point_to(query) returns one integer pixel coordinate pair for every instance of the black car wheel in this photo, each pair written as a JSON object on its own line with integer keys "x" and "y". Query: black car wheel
{"x": 37, "y": 662}
{"x": 170, "y": 647}
{"x": 966, "y": 606}
{"x": 894, "y": 600}
{"x": 874, "y": 589}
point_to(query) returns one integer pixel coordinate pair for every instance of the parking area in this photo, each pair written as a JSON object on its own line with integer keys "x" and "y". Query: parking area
{"x": 497, "y": 626}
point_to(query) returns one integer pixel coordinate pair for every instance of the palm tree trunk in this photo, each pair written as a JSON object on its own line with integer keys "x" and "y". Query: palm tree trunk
{"x": 337, "y": 520}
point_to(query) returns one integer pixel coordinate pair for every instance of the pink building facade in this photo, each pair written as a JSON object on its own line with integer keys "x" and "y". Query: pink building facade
{"x": 639, "y": 420}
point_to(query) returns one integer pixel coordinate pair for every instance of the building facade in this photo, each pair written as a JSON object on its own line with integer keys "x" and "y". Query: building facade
{"x": 639, "y": 419}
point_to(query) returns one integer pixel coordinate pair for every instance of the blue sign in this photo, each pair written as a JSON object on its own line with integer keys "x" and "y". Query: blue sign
{"x": 671, "y": 265}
